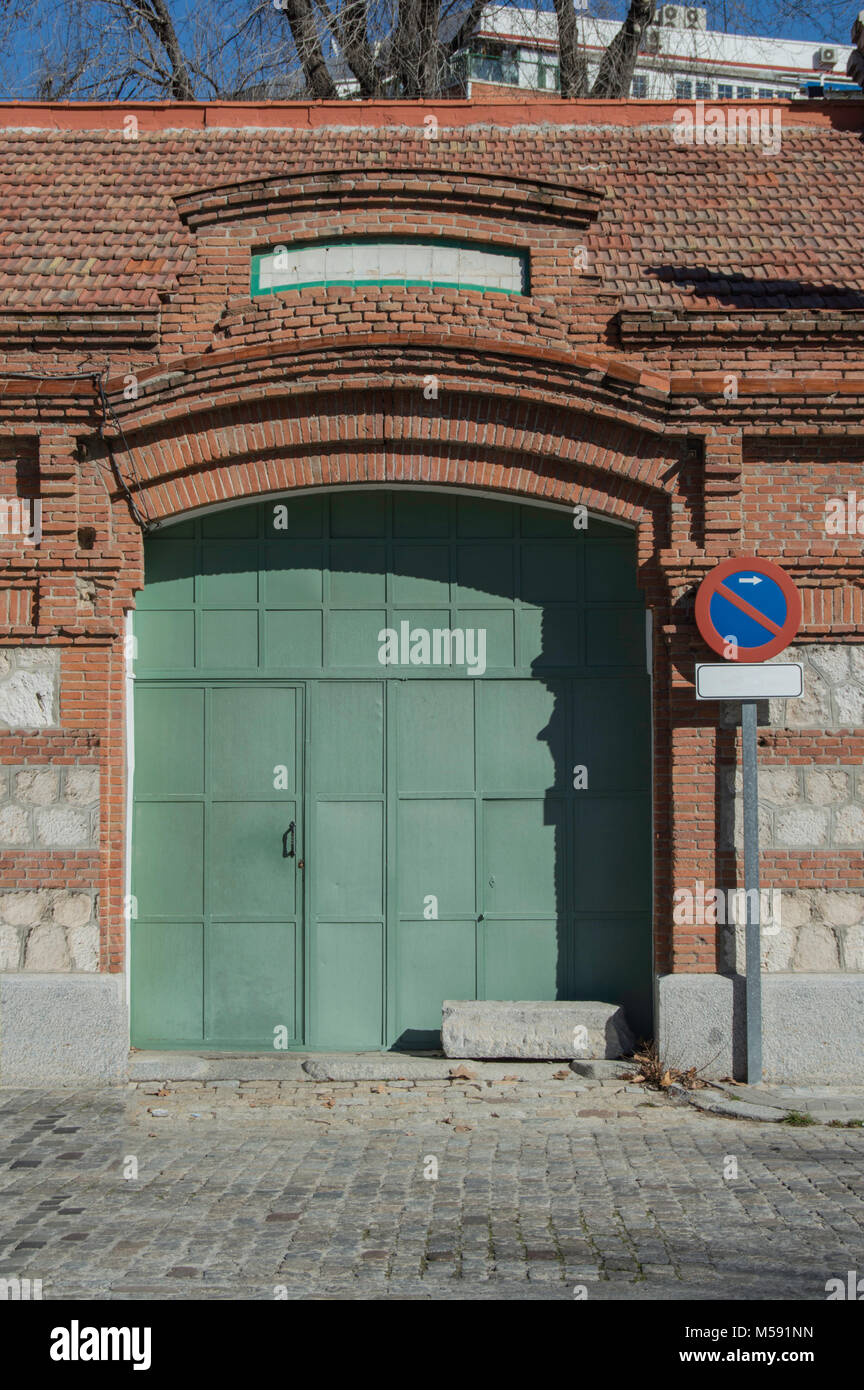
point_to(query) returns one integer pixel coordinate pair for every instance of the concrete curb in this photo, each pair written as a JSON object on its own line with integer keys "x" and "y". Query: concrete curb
{"x": 344, "y": 1067}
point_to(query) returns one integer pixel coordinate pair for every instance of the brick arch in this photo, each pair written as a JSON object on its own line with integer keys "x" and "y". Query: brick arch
{"x": 521, "y": 449}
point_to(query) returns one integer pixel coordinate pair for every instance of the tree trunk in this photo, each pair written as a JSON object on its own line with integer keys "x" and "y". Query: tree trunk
{"x": 572, "y": 67}
{"x": 157, "y": 15}
{"x": 619, "y": 60}
{"x": 307, "y": 41}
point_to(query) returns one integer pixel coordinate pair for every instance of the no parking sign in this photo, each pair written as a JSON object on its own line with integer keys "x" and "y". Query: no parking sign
{"x": 748, "y": 610}
{"x": 750, "y": 606}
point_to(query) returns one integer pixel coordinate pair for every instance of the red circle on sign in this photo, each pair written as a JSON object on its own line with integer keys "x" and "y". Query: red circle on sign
{"x": 714, "y": 581}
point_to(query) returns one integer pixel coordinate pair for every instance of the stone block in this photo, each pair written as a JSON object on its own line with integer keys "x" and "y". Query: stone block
{"x": 62, "y": 1030}
{"x": 62, "y": 826}
{"x": 29, "y": 694}
{"x": 813, "y": 709}
{"x": 853, "y": 948}
{"x": 849, "y": 704}
{"x": 816, "y": 948}
{"x": 804, "y": 828}
{"x": 46, "y": 949}
{"x": 81, "y": 786}
{"x": 83, "y": 946}
{"x": 15, "y": 827}
{"x": 24, "y": 909}
{"x": 532, "y": 1029}
{"x": 839, "y": 909}
{"x": 779, "y": 786}
{"x": 796, "y": 907}
{"x": 10, "y": 948}
{"x": 70, "y": 909}
{"x": 849, "y": 826}
{"x": 830, "y": 659}
{"x": 823, "y": 785}
{"x": 37, "y": 786}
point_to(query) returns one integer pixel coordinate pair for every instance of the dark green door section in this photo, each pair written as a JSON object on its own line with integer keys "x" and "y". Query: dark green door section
{"x": 391, "y": 747}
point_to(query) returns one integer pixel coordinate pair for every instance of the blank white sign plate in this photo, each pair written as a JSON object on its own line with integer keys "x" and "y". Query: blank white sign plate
{"x": 732, "y": 680}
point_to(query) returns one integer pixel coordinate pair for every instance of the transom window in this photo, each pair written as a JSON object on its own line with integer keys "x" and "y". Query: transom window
{"x": 386, "y": 261}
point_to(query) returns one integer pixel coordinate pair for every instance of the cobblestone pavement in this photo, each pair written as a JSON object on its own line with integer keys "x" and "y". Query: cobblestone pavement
{"x": 303, "y": 1190}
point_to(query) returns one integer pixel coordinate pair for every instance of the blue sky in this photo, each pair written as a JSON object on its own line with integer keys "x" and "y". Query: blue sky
{"x": 829, "y": 22}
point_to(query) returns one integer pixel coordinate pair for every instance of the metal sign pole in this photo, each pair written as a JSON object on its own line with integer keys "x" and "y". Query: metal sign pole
{"x": 753, "y": 953}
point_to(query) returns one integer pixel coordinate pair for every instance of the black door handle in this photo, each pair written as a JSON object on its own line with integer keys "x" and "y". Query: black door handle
{"x": 286, "y": 852}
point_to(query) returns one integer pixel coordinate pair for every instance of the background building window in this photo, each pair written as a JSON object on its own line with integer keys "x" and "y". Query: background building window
{"x": 744, "y": 94}
{"x": 494, "y": 64}
{"x": 703, "y": 91}
{"x": 639, "y": 86}
{"x": 684, "y": 90}
{"x": 724, "y": 91}
{"x": 765, "y": 94}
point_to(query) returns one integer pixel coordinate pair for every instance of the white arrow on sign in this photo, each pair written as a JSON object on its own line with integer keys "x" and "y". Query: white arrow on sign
{"x": 743, "y": 580}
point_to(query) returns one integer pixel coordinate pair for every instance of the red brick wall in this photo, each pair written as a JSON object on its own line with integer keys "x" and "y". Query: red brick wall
{"x": 568, "y": 394}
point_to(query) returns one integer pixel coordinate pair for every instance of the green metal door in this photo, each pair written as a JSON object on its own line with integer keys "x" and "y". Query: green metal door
{"x": 470, "y": 828}
{"x": 217, "y": 842}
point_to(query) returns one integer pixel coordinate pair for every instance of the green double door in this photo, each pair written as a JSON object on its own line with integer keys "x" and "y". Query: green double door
{"x": 326, "y": 845}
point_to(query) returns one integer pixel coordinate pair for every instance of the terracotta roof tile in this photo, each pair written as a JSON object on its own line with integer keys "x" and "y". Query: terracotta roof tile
{"x": 88, "y": 218}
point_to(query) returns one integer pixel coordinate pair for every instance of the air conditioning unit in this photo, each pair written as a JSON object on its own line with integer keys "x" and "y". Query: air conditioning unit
{"x": 827, "y": 57}
{"x": 672, "y": 16}
{"x": 652, "y": 41}
{"x": 695, "y": 19}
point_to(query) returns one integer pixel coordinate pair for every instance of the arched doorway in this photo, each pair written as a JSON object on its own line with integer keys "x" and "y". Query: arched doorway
{"x": 392, "y": 746}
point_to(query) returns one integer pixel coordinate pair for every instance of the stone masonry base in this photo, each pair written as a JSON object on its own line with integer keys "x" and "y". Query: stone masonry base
{"x": 812, "y": 1025}
{"x": 63, "y": 1029}
{"x": 72, "y": 1029}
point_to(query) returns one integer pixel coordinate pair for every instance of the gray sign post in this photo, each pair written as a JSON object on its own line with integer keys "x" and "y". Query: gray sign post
{"x": 747, "y": 684}
{"x": 753, "y": 952}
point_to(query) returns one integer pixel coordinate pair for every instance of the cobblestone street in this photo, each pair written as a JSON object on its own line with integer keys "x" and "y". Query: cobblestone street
{"x": 301, "y": 1190}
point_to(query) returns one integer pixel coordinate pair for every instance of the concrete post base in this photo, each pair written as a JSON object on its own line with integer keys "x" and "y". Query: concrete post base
{"x": 812, "y": 1025}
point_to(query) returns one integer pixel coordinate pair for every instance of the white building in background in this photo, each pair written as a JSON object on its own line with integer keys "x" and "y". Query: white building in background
{"x": 681, "y": 58}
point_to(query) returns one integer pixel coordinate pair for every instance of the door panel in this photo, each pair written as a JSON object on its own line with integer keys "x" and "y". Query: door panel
{"x": 168, "y": 839}
{"x": 436, "y": 736}
{"x": 348, "y": 738}
{"x": 436, "y": 856}
{"x": 169, "y": 741}
{"x": 250, "y": 874}
{"x": 436, "y": 960}
{"x": 521, "y": 958}
{"x": 347, "y": 969}
{"x": 349, "y": 854}
{"x": 252, "y": 734}
{"x": 515, "y": 739}
{"x": 522, "y": 857}
{"x": 250, "y": 973}
{"x": 168, "y": 969}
